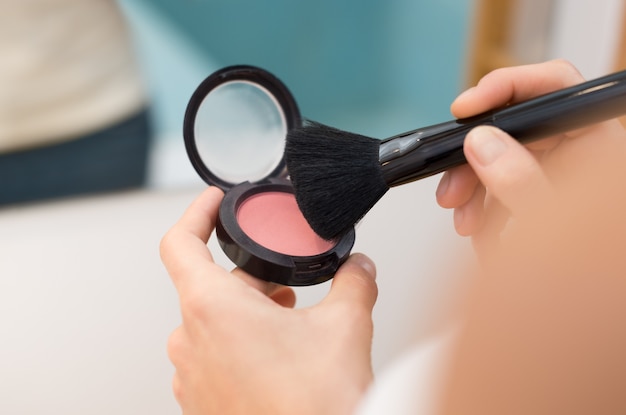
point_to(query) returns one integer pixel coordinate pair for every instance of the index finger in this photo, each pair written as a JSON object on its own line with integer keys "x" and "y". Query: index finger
{"x": 516, "y": 84}
{"x": 183, "y": 248}
{"x": 200, "y": 217}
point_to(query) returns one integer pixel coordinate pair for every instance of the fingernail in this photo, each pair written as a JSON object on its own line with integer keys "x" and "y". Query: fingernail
{"x": 443, "y": 184}
{"x": 486, "y": 143}
{"x": 365, "y": 262}
{"x": 458, "y": 218}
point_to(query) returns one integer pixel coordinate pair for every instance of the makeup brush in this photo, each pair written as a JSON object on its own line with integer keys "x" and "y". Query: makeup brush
{"x": 339, "y": 176}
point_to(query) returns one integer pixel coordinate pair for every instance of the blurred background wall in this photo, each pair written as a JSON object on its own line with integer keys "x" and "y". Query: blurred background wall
{"x": 86, "y": 306}
{"x": 377, "y": 68}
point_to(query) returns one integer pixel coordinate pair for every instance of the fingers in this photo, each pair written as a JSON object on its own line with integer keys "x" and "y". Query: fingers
{"x": 456, "y": 187}
{"x": 468, "y": 217}
{"x": 282, "y": 295}
{"x": 188, "y": 260}
{"x": 178, "y": 347}
{"x": 510, "y": 173}
{"x": 183, "y": 249}
{"x": 200, "y": 217}
{"x": 515, "y": 84}
{"x": 355, "y": 283}
{"x": 462, "y": 188}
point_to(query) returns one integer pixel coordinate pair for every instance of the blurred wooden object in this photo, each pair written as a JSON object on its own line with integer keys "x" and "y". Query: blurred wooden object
{"x": 620, "y": 59}
{"x": 490, "y": 38}
{"x": 507, "y": 33}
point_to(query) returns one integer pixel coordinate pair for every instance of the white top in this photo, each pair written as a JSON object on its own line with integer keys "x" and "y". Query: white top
{"x": 67, "y": 68}
{"x": 412, "y": 383}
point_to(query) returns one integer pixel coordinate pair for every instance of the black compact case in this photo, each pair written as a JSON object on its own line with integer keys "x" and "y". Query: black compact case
{"x": 225, "y": 115}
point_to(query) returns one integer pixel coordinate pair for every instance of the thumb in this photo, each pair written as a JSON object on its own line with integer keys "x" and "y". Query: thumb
{"x": 355, "y": 283}
{"x": 506, "y": 168}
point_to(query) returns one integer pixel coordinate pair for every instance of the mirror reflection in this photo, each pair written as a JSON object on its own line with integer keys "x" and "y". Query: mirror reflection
{"x": 240, "y": 132}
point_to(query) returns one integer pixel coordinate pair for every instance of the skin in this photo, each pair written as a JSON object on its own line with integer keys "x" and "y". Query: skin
{"x": 503, "y": 180}
{"x": 546, "y": 221}
{"x": 543, "y": 326}
{"x": 243, "y": 349}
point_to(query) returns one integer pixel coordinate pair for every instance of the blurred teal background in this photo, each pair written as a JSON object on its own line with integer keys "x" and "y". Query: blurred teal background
{"x": 372, "y": 67}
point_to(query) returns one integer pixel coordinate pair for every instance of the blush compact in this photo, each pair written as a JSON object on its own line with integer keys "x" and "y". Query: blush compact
{"x": 234, "y": 129}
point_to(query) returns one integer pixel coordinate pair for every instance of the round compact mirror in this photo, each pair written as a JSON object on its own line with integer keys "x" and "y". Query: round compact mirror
{"x": 240, "y": 132}
{"x": 235, "y": 126}
{"x": 235, "y": 129}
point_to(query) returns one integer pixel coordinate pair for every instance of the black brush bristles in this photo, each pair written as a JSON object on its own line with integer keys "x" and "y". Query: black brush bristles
{"x": 336, "y": 176}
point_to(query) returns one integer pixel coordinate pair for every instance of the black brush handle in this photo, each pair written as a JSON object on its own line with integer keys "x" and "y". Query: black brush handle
{"x": 430, "y": 150}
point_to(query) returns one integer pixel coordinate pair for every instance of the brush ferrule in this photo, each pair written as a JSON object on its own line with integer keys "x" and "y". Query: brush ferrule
{"x": 399, "y": 145}
{"x": 416, "y": 154}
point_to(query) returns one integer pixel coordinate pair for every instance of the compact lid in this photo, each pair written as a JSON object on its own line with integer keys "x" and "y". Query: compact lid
{"x": 235, "y": 126}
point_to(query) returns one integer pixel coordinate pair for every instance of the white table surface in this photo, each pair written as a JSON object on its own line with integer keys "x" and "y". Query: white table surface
{"x": 86, "y": 306}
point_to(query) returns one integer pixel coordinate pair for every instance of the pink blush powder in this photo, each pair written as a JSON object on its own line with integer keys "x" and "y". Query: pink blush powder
{"x": 273, "y": 220}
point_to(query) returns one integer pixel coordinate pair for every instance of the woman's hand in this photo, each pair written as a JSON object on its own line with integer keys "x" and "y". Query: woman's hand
{"x": 243, "y": 349}
{"x": 505, "y": 182}
{"x": 543, "y": 323}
